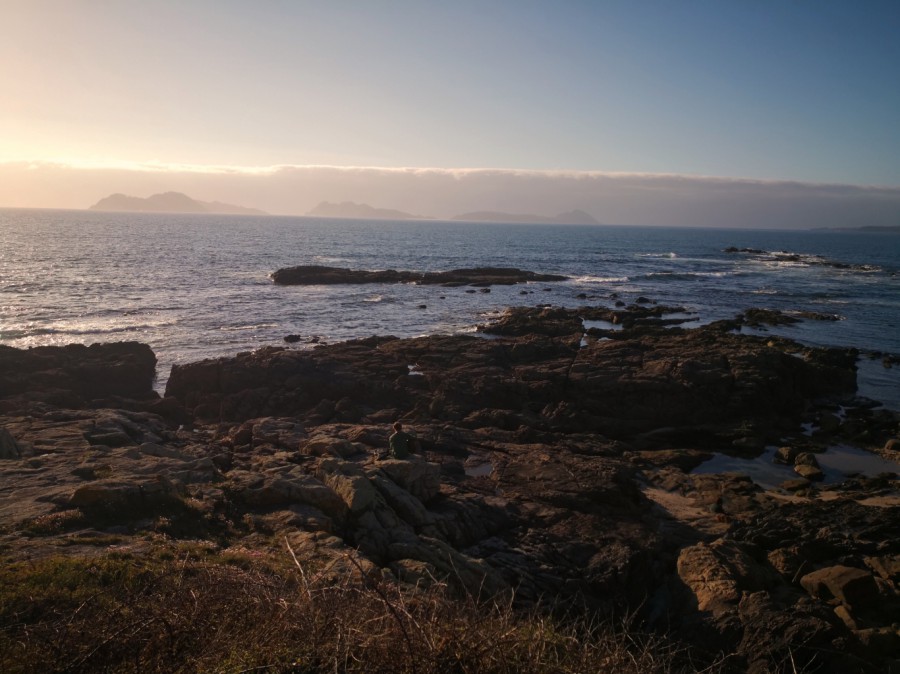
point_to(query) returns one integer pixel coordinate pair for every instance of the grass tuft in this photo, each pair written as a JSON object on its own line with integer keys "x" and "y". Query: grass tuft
{"x": 204, "y": 614}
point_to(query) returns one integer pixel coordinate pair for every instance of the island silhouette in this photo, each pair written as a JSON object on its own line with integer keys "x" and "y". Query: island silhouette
{"x": 170, "y": 202}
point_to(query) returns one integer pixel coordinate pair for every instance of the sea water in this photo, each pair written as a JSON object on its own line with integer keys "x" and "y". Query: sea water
{"x": 199, "y": 286}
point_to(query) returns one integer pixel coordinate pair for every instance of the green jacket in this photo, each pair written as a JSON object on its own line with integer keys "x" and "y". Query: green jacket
{"x": 402, "y": 443}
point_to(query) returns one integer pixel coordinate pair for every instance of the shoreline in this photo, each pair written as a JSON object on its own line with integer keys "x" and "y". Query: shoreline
{"x": 553, "y": 463}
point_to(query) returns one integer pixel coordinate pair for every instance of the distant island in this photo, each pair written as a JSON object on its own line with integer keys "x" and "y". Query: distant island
{"x": 349, "y": 209}
{"x": 881, "y": 229}
{"x": 568, "y": 218}
{"x": 170, "y": 202}
{"x": 177, "y": 202}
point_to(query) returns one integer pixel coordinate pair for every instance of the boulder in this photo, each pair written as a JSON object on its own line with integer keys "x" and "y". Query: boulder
{"x": 9, "y": 448}
{"x": 786, "y": 455}
{"x": 851, "y": 586}
{"x": 808, "y": 472}
{"x": 806, "y": 459}
{"x": 409, "y": 508}
{"x": 720, "y": 573}
{"x": 349, "y": 482}
{"x": 418, "y": 477}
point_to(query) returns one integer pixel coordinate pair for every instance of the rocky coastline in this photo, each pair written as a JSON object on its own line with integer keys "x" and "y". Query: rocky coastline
{"x": 555, "y": 461}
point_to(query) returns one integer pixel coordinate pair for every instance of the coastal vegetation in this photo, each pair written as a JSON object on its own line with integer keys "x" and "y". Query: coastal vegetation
{"x": 188, "y": 608}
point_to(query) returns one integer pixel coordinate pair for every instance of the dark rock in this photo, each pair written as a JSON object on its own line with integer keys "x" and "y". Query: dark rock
{"x": 760, "y": 317}
{"x": 537, "y": 320}
{"x": 9, "y": 448}
{"x": 481, "y": 276}
{"x": 292, "y": 339}
{"x": 77, "y": 375}
{"x": 618, "y": 387}
{"x": 807, "y": 466}
{"x": 786, "y": 455}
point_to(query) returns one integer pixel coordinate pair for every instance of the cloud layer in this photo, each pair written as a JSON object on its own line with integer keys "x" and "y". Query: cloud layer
{"x": 614, "y": 198}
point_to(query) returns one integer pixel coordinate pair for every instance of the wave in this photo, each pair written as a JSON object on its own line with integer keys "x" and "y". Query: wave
{"x": 26, "y": 333}
{"x": 670, "y": 256}
{"x": 684, "y": 276}
{"x": 601, "y": 279}
{"x": 244, "y": 328}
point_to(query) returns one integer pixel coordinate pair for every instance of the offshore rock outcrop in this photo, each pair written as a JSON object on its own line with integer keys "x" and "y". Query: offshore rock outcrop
{"x": 479, "y": 277}
{"x": 552, "y": 461}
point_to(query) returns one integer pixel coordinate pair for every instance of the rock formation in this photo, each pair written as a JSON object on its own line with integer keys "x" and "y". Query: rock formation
{"x": 554, "y": 460}
{"x": 479, "y": 277}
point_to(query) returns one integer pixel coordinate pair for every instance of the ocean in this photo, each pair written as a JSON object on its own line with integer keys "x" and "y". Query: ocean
{"x": 198, "y": 286}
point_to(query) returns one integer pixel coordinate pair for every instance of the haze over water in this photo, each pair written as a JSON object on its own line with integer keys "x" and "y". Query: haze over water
{"x": 198, "y": 286}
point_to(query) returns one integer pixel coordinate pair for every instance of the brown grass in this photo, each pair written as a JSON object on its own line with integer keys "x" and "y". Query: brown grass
{"x": 116, "y": 614}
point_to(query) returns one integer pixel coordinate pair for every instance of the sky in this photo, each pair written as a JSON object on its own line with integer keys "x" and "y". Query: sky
{"x": 685, "y": 101}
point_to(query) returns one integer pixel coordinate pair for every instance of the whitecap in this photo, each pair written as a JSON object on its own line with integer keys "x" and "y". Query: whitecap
{"x": 601, "y": 279}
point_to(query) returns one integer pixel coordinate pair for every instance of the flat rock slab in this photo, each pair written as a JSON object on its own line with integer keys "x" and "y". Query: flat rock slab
{"x": 480, "y": 276}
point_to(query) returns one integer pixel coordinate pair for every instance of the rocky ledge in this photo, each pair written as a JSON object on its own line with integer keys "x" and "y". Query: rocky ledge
{"x": 479, "y": 277}
{"x": 553, "y": 461}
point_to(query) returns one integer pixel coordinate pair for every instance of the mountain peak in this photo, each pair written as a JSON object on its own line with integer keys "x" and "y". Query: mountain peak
{"x": 350, "y": 209}
{"x": 169, "y": 202}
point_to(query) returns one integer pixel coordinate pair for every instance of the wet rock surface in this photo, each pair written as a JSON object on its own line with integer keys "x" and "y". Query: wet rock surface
{"x": 550, "y": 461}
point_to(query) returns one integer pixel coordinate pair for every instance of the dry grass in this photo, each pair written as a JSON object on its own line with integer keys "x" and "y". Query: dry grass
{"x": 185, "y": 615}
